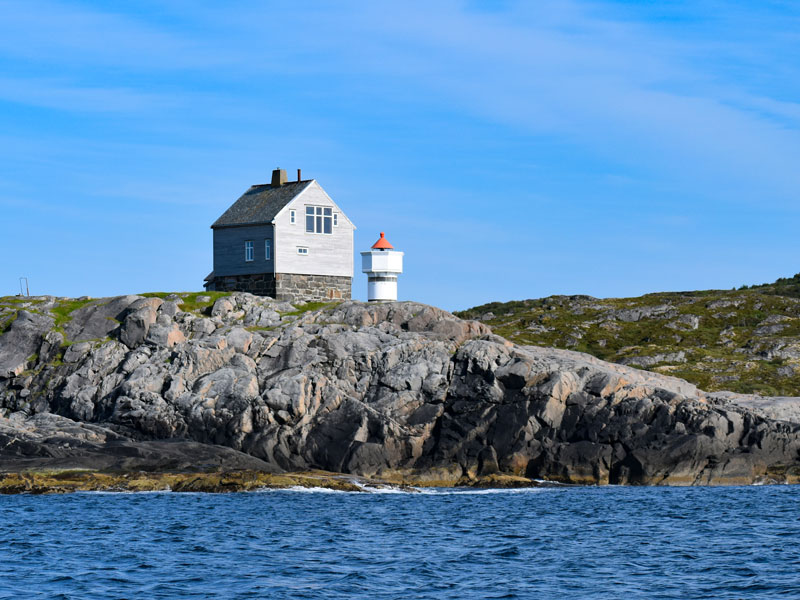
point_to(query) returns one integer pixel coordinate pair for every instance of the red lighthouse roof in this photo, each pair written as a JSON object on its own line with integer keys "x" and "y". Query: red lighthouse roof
{"x": 382, "y": 244}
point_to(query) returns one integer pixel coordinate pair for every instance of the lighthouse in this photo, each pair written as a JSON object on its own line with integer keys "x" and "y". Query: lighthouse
{"x": 382, "y": 264}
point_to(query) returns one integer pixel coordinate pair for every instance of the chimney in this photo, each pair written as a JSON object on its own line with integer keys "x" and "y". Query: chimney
{"x": 278, "y": 177}
{"x": 298, "y": 174}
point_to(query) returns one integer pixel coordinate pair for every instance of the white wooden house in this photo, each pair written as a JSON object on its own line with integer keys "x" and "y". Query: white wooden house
{"x": 288, "y": 240}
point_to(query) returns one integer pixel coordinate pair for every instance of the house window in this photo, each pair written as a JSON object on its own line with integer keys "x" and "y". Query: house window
{"x": 292, "y": 217}
{"x": 248, "y": 251}
{"x": 302, "y": 251}
{"x": 319, "y": 219}
{"x": 335, "y": 219}
{"x": 267, "y": 249}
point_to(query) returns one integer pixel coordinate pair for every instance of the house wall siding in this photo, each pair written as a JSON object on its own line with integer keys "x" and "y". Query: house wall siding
{"x": 328, "y": 254}
{"x": 229, "y": 250}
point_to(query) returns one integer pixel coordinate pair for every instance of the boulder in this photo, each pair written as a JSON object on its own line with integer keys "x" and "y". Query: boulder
{"x": 164, "y": 335}
{"x": 22, "y": 340}
{"x": 99, "y": 319}
{"x": 222, "y": 307}
{"x": 137, "y": 324}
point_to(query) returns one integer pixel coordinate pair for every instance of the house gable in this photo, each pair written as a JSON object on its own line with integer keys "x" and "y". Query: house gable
{"x": 301, "y": 252}
{"x": 313, "y": 188}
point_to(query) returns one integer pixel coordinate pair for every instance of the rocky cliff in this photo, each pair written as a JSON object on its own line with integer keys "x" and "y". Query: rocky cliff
{"x": 398, "y": 391}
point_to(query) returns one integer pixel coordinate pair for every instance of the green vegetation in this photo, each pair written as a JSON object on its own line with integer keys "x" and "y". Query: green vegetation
{"x": 308, "y": 307}
{"x": 785, "y": 286}
{"x": 191, "y": 304}
{"x": 189, "y": 300}
{"x": 6, "y": 321}
{"x": 15, "y": 301}
{"x": 745, "y": 340}
{"x": 259, "y": 328}
{"x": 9, "y": 309}
{"x": 63, "y": 311}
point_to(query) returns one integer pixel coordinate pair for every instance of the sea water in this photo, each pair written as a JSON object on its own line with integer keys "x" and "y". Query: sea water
{"x": 581, "y": 542}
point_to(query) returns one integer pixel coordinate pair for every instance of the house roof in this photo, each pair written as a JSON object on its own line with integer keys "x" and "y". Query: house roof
{"x": 261, "y": 203}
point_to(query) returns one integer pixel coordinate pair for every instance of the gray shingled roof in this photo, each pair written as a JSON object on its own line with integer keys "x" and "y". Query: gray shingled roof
{"x": 260, "y": 204}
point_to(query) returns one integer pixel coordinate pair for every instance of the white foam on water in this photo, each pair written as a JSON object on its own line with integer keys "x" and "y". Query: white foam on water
{"x": 383, "y": 489}
{"x": 305, "y": 490}
{"x": 412, "y": 491}
{"x": 363, "y": 489}
{"x": 123, "y": 492}
{"x": 481, "y": 491}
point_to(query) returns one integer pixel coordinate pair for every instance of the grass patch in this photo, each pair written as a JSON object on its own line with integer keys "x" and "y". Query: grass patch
{"x": 15, "y": 301}
{"x": 63, "y": 311}
{"x": 5, "y": 323}
{"x": 308, "y": 307}
{"x": 257, "y": 328}
{"x": 191, "y": 304}
{"x": 189, "y": 300}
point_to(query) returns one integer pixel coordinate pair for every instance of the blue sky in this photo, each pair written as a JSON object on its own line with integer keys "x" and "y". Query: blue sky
{"x": 512, "y": 149}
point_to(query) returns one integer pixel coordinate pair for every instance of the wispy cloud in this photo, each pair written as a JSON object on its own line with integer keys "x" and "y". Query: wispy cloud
{"x": 63, "y": 95}
{"x": 618, "y": 89}
{"x": 73, "y": 34}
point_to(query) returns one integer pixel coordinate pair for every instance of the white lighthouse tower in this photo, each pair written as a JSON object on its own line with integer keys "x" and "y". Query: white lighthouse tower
{"x": 382, "y": 265}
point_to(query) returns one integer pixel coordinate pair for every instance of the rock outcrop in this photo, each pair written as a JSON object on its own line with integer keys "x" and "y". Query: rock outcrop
{"x": 400, "y": 391}
{"x": 745, "y": 341}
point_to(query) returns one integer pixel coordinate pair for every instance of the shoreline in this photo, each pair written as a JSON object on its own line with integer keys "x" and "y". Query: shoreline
{"x": 64, "y": 481}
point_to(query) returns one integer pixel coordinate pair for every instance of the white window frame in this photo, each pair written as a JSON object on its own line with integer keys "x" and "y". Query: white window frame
{"x": 249, "y": 251}
{"x": 302, "y": 250}
{"x": 293, "y": 217}
{"x": 335, "y": 219}
{"x": 319, "y": 219}
{"x": 267, "y": 249}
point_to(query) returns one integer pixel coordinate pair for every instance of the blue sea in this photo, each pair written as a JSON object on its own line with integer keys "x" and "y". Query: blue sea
{"x": 582, "y": 542}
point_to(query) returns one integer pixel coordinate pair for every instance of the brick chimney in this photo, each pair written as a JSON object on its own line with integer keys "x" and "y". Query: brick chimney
{"x": 279, "y": 177}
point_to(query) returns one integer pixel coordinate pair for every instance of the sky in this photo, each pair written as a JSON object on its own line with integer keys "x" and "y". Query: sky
{"x": 511, "y": 149}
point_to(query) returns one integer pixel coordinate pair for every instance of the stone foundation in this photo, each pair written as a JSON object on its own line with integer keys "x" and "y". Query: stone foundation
{"x": 261, "y": 284}
{"x": 286, "y": 286}
{"x": 316, "y": 288}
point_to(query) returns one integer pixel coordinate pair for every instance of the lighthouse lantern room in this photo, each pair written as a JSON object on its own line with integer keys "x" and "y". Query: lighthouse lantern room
{"x": 382, "y": 264}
